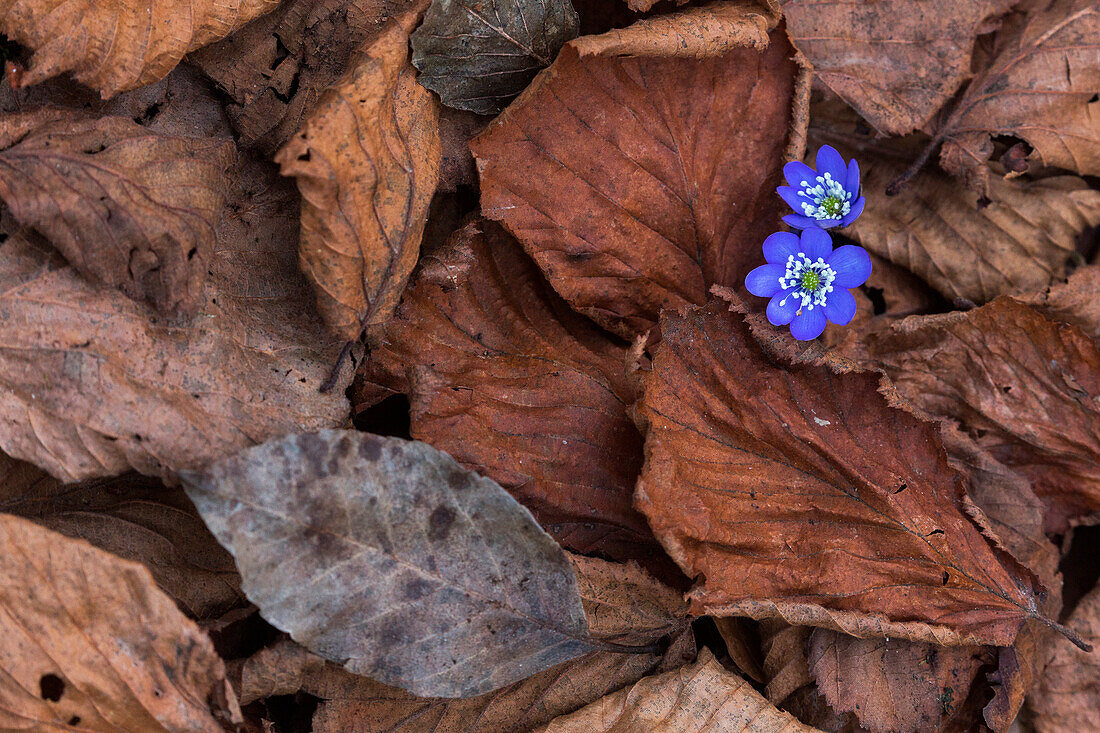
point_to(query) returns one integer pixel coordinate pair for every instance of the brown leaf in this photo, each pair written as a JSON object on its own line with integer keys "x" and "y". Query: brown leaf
{"x": 125, "y": 206}
{"x": 701, "y": 698}
{"x": 792, "y": 491}
{"x": 166, "y": 397}
{"x": 1039, "y": 86}
{"x": 90, "y": 644}
{"x": 895, "y": 61}
{"x": 893, "y": 685}
{"x": 389, "y": 557}
{"x": 116, "y": 45}
{"x": 625, "y": 178}
{"x": 1027, "y": 387}
{"x": 624, "y": 604}
{"x": 742, "y": 644}
{"x": 1067, "y": 699}
{"x": 367, "y": 163}
{"x": 503, "y": 376}
{"x": 1075, "y": 301}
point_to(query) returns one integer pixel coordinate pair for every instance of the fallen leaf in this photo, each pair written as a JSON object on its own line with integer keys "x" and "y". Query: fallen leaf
{"x": 625, "y": 604}
{"x": 121, "y": 658}
{"x": 794, "y": 492}
{"x": 387, "y": 556}
{"x": 116, "y": 45}
{"x": 701, "y": 698}
{"x": 477, "y": 55}
{"x": 740, "y": 637}
{"x": 126, "y": 207}
{"x": 894, "y": 685}
{"x": 1026, "y": 387}
{"x": 1073, "y": 301}
{"x": 166, "y": 397}
{"x": 895, "y": 61}
{"x": 503, "y": 376}
{"x": 1040, "y": 86}
{"x": 624, "y": 178}
{"x": 364, "y": 205}
{"x": 1067, "y": 698}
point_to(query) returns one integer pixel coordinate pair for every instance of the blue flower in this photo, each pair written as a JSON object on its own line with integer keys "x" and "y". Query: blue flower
{"x": 807, "y": 281}
{"x": 825, "y": 198}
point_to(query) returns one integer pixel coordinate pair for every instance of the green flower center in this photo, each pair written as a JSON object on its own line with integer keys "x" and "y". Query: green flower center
{"x": 811, "y": 280}
{"x": 832, "y": 206}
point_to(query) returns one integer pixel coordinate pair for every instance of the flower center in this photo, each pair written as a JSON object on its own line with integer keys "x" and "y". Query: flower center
{"x": 825, "y": 200}
{"x": 809, "y": 281}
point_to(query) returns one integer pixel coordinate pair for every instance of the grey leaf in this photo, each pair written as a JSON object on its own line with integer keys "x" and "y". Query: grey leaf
{"x": 388, "y": 557}
{"x": 479, "y": 54}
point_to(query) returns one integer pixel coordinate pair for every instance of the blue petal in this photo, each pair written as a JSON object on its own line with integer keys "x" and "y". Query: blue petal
{"x": 764, "y": 280}
{"x": 800, "y": 222}
{"x": 816, "y": 243}
{"x": 796, "y": 172}
{"x": 852, "y": 184}
{"x": 791, "y": 196}
{"x": 781, "y": 315}
{"x": 840, "y": 306}
{"x": 809, "y": 325}
{"x": 830, "y": 161}
{"x": 852, "y": 266}
{"x": 857, "y": 209}
{"x": 779, "y": 246}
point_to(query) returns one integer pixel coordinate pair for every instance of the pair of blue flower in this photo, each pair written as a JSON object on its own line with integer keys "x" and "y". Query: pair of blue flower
{"x": 807, "y": 280}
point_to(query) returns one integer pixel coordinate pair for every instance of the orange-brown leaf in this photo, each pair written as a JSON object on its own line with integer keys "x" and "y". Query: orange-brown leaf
{"x": 1067, "y": 699}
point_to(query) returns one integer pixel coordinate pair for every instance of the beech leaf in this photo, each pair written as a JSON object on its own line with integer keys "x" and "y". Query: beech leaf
{"x": 388, "y": 557}
{"x": 364, "y": 205}
{"x": 90, "y": 643}
{"x": 1067, "y": 697}
{"x": 477, "y": 55}
{"x": 1073, "y": 301}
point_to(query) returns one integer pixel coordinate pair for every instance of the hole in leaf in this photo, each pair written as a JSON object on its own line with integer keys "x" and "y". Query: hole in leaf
{"x": 75, "y": 720}
{"x": 51, "y": 687}
{"x": 935, "y": 532}
{"x": 193, "y": 251}
{"x": 281, "y": 53}
{"x": 945, "y": 577}
{"x": 901, "y": 487}
{"x": 1006, "y": 389}
{"x": 1094, "y": 98}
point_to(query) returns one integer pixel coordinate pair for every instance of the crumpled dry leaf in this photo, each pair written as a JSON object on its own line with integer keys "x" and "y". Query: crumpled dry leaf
{"x": 503, "y": 376}
{"x": 136, "y": 518}
{"x": 625, "y": 178}
{"x": 1028, "y": 389}
{"x": 1073, "y": 301}
{"x": 893, "y": 685}
{"x": 116, "y": 45}
{"x": 701, "y": 698}
{"x": 1067, "y": 698}
{"x": 1040, "y": 86}
{"x": 367, "y": 163}
{"x": 477, "y": 55}
{"x": 166, "y": 396}
{"x": 792, "y": 491}
{"x": 276, "y": 68}
{"x": 895, "y": 61}
{"x": 389, "y": 557}
{"x": 125, "y": 206}
{"x": 90, "y": 644}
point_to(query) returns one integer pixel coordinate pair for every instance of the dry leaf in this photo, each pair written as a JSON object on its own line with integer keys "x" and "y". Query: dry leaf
{"x": 166, "y": 396}
{"x": 1028, "y": 388}
{"x": 1067, "y": 698}
{"x": 1075, "y": 301}
{"x": 895, "y": 61}
{"x": 624, "y": 604}
{"x": 503, "y": 376}
{"x": 390, "y": 558}
{"x": 625, "y": 178}
{"x": 893, "y": 686}
{"x": 1040, "y": 86}
{"x": 367, "y": 163}
{"x": 742, "y": 644}
{"x": 477, "y": 55}
{"x": 126, "y": 207}
{"x": 701, "y": 698}
{"x": 90, "y": 644}
{"x": 116, "y": 45}
{"x": 792, "y": 491}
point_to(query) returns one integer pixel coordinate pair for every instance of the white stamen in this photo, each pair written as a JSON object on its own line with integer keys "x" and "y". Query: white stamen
{"x": 796, "y": 269}
{"x": 827, "y": 187}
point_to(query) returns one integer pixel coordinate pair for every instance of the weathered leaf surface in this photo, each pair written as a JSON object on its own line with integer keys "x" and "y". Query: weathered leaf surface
{"x": 895, "y": 61}
{"x": 1067, "y": 698}
{"x": 793, "y": 491}
{"x": 90, "y": 644}
{"x": 116, "y": 45}
{"x": 367, "y": 163}
{"x": 503, "y": 376}
{"x": 94, "y": 384}
{"x": 1040, "y": 86}
{"x": 1073, "y": 301}
{"x": 478, "y": 55}
{"x": 127, "y": 207}
{"x": 701, "y": 698}
{"x": 1026, "y": 386}
{"x": 387, "y": 556}
{"x": 625, "y": 178}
